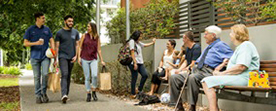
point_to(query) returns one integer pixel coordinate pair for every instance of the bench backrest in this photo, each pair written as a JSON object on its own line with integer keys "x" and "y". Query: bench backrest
{"x": 270, "y": 68}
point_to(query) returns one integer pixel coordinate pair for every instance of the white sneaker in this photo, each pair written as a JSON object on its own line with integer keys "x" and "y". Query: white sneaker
{"x": 64, "y": 99}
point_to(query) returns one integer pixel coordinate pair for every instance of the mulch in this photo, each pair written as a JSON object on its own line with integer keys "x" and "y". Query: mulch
{"x": 3, "y": 76}
{"x": 9, "y": 94}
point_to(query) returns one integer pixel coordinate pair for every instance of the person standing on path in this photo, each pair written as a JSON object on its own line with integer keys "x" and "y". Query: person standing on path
{"x": 67, "y": 42}
{"x": 138, "y": 63}
{"x": 90, "y": 47}
{"x": 38, "y": 37}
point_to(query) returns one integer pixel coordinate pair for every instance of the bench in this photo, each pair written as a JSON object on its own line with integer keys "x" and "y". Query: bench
{"x": 270, "y": 68}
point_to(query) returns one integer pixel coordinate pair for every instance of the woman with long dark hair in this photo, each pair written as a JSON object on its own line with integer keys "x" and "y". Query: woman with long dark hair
{"x": 138, "y": 64}
{"x": 90, "y": 47}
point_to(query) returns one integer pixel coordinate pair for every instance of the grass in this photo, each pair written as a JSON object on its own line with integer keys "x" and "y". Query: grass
{"x": 9, "y": 106}
{"x": 6, "y": 82}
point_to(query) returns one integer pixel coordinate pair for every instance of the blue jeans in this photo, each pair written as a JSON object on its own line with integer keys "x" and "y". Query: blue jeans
{"x": 37, "y": 65}
{"x": 134, "y": 73}
{"x": 87, "y": 66}
{"x": 65, "y": 67}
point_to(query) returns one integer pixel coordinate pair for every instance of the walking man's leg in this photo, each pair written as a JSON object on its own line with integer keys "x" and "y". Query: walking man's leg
{"x": 36, "y": 66}
{"x": 45, "y": 70}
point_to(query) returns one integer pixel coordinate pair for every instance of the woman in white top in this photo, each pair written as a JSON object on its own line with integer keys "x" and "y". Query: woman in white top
{"x": 138, "y": 64}
{"x": 168, "y": 57}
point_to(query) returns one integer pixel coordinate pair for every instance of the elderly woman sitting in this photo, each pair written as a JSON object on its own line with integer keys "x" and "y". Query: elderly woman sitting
{"x": 244, "y": 60}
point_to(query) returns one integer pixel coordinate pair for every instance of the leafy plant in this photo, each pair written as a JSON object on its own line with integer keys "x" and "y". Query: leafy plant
{"x": 12, "y": 71}
{"x": 246, "y": 11}
{"x": 1, "y": 70}
{"x": 28, "y": 66}
{"x": 155, "y": 20}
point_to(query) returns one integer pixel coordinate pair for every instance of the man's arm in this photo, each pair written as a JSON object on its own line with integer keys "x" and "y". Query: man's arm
{"x": 27, "y": 43}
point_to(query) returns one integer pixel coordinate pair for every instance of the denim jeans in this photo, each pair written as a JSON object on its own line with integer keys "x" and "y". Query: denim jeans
{"x": 40, "y": 68}
{"x": 134, "y": 73}
{"x": 65, "y": 67}
{"x": 90, "y": 66}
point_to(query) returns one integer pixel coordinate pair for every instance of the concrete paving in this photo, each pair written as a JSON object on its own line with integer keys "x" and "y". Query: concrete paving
{"x": 77, "y": 98}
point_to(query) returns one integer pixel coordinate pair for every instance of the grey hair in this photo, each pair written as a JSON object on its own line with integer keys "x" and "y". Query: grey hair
{"x": 213, "y": 29}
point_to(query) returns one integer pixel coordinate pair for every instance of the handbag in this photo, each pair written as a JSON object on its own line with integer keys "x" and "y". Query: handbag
{"x": 105, "y": 79}
{"x": 54, "y": 81}
{"x": 258, "y": 79}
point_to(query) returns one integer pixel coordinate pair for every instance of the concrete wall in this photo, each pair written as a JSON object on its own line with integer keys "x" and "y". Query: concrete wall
{"x": 263, "y": 37}
{"x": 160, "y": 47}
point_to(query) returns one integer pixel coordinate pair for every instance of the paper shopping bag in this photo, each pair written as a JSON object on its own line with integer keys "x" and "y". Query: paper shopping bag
{"x": 105, "y": 79}
{"x": 54, "y": 81}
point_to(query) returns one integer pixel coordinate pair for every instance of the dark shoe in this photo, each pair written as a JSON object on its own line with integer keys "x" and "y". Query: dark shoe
{"x": 88, "y": 99}
{"x": 192, "y": 108}
{"x": 38, "y": 100}
{"x": 64, "y": 99}
{"x": 94, "y": 96}
{"x": 45, "y": 98}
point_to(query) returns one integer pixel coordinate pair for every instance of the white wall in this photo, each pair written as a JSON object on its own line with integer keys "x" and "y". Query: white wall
{"x": 263, "y": 37}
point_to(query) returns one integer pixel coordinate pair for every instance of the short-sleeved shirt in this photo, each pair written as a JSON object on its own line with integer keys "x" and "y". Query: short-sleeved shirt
{"x": 193, "y": 53}
{"x": 217, "y": 53}
{"x": 245, "y": 54}
{"x": 33, "y": 34}
{"x": 67, "y": 43}
{"x": 138, "y": 52}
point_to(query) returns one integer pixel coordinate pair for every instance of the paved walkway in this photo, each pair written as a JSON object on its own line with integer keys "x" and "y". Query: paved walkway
{"x": 77, "y": 98}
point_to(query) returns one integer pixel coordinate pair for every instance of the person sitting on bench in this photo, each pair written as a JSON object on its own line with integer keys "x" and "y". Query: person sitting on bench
{"x": 244, "y": 60}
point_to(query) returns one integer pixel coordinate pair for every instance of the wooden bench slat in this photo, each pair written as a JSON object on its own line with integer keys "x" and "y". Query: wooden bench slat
{"x": 272, "y": 83}
{"x": 272, "y": 79}
{"x": 272, "y": 75}
{"x": 269, "y": 69}
{"x": 245, "y": 88}
{"x": 268, "y": 66}
{"x": 268, "y": 62}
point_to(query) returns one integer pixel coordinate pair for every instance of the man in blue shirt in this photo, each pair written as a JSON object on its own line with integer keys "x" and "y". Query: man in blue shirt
{"x": 38, "y": 37}
{"x": 212, "y": 57}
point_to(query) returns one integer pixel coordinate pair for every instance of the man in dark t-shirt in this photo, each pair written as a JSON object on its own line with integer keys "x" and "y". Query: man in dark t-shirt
{"x": 67, "y": 41}
{"x": 193, "y": 51}
{"x": 38, "y": 37}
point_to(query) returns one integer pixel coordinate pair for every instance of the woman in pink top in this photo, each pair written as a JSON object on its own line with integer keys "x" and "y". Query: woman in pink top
{"x": 90, "y": 46}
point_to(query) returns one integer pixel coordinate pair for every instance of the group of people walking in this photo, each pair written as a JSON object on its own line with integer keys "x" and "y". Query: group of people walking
{"x": 70, "y": 48}
{"x": 217, "y": 65}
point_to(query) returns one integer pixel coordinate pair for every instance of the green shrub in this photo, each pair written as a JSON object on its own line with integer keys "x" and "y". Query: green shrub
{"x": 12, "y": 71}
{"x": 77, "y": 74}
{"x": 28, "y": 66}
{"x": 1, "y": 70}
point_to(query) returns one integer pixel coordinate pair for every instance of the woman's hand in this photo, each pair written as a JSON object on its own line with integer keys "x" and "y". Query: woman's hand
{"x": 79, "y": 61}
{"x": 103, "y": 63}
{"x": 153, "y": 40}
{"x": 135, "y": 67}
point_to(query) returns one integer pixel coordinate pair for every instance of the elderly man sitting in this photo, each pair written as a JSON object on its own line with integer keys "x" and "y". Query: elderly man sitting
{"x": 214, "y": 56}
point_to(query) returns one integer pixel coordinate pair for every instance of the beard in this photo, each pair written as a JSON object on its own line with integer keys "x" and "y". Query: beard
{"x": 69, "y": 26}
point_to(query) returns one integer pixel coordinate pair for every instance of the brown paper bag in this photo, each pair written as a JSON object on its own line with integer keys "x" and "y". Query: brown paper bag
{"x": 105, "y": 79}
{"x": 54, "y": 81}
